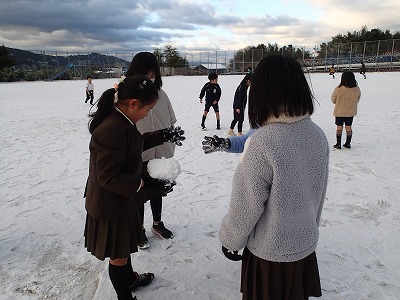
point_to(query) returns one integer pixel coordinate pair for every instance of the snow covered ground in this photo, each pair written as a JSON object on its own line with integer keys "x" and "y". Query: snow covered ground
{"x": 44, "y": 165}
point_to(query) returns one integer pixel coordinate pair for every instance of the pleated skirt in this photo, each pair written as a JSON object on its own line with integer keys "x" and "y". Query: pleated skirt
{"x": 266, "y": 280}
{"x": 112, "y": 238}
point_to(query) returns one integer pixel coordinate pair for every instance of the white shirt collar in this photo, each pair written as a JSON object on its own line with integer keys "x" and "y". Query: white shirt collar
{"x": 124, "y": 115}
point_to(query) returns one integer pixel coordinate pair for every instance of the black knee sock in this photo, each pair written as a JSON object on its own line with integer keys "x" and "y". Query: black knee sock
{"x": 349, "y": 134}
{"x": 119, "y": 279}
{"x": 203, "y": 120}
{"x": 338, "y": 137}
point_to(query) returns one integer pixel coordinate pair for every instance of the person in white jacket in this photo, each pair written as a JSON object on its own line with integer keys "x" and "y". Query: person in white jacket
{"x": 161, "y": 116}
{"x": 279, "y": 187}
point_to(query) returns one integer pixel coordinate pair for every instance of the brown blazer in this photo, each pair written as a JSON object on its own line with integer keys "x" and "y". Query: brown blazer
{"x": 115, "y": 167}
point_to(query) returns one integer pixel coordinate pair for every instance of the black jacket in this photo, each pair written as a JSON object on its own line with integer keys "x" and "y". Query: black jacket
{"x": 212, "y": 91}
{"x": 240, "y": 99}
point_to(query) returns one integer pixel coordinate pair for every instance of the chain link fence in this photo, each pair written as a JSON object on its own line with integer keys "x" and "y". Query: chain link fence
{"x": 378, "y": 56}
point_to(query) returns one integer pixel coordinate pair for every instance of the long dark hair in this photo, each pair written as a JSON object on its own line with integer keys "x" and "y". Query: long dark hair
{"x": 142, "y": 63}
{"x": 245, "y": 78}
{"x": 348, "y": 80}
{"x": 132, "y": 87}
{"x": 278, "y": 86}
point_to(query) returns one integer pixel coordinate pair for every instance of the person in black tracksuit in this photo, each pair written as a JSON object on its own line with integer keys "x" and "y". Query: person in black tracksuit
{"x": 239, "y": 104}
{"x": 212, "y": 91}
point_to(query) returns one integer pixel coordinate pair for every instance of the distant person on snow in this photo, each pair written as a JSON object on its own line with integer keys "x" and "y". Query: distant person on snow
{"x": 363, "y": 70}
{"x": 345, "y": 97}
{"x": 239, "y": 105}
{"x": 212, "y": 91}
{"x": 89, "y": 90}
{"x": 332, "y": 71}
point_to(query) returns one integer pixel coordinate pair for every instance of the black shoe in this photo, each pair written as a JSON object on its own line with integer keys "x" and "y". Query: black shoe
{"x": 160, "y": 230}
{"x": 142, "y": 280}
{"x": 203, "y": 126}
{"x": 348, "y": 146}
{"x": 218, "y": 127}
{"x": 144, "y": 244}
{"x": 337, "y": 146}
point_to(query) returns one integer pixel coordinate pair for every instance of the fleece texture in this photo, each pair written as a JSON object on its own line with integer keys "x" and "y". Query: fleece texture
{"x": 278, "y": 191}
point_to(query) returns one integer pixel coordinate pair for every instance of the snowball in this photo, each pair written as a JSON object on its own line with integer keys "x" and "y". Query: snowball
{"x": 164, "y": 168}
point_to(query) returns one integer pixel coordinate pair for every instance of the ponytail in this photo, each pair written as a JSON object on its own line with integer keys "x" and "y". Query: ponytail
{"x": 105, "y": 107}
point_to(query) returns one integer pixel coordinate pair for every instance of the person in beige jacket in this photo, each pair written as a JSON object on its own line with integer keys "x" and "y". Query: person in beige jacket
{"x": 161, "y": 116}
{"x": 345, "y": 97}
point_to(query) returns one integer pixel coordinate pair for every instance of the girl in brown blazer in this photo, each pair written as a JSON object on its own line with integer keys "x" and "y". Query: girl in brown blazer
{"x": 113, "y": 225}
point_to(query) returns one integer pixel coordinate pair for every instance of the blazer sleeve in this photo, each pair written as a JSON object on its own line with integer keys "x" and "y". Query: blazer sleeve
{"x": 152, "y": 139}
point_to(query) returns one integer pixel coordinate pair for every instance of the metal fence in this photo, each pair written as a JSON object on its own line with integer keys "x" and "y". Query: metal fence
{"x": 378, "y": 56}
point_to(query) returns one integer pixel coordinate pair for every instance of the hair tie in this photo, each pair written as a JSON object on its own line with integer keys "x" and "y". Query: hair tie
{"x": 143, "y": 84}
{"x": 115, "y": 97}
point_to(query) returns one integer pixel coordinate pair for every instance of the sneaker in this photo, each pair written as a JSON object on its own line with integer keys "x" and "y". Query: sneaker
{"x": 203, "y": 126}
{"x": 337, "y": 146}
{"x": 348, "y": 146}
{"x": 145, "y": 242}
{"x": 231, "y": 132}
{"x": 142, "y": 280}
{"x": 161, "y": 231}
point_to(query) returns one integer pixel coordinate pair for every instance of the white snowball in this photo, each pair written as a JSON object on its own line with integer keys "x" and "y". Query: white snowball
{"x": 164, "y": 168}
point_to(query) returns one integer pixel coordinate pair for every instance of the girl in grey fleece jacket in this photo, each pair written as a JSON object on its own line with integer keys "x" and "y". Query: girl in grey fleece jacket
{"x": 278, "y": 188}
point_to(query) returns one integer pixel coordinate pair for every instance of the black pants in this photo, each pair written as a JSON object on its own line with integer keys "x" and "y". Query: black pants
{"x": 238, "y": 118}
{"x": 89, "y": 95}
{"x": 156, "y": 207}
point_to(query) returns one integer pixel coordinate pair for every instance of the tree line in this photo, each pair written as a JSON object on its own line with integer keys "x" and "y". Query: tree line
{"x": 170, "y": 57}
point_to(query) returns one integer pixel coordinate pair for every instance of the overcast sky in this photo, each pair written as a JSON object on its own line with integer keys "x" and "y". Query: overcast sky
{"x": 130, "y": 25}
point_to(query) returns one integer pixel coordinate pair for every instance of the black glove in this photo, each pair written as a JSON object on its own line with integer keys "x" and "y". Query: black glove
{"x": 215, "y": 143}
{"x": 162, "y": 185}
{"x": 232, "y": 255}
{"x": 173, "y": 135}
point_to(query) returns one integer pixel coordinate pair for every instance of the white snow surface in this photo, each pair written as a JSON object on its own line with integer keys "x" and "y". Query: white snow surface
{"x": 164, "y": 168}
{"x": 44, "y": 166}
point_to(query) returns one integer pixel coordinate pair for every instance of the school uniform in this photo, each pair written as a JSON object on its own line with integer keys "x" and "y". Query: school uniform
{"x": 113, "y": 225}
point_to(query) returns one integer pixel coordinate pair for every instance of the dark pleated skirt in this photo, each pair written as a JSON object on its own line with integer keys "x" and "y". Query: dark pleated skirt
{"x": 266, "y": 280}
{"x": 112, "y": 238}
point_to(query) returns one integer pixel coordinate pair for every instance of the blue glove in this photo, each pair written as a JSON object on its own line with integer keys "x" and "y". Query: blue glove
{"x": 232, "y": 255}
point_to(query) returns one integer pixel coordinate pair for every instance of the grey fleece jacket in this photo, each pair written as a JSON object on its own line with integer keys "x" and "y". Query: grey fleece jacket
{"x": 278, "y": 191}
